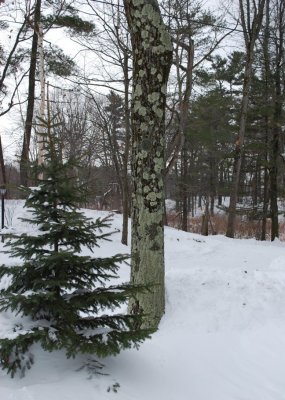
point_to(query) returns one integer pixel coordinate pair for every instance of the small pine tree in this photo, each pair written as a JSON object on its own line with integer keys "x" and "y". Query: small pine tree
{"x": 61, "y": 295}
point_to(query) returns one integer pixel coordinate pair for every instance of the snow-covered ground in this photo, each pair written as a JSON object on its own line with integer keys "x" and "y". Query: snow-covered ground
{"x": 222, "y": 337}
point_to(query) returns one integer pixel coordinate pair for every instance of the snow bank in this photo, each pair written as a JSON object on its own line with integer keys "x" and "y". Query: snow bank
{"x": 222, "y": 337}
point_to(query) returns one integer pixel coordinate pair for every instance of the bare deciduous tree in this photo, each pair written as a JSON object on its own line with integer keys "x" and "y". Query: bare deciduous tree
{"x": 251, "y": 16}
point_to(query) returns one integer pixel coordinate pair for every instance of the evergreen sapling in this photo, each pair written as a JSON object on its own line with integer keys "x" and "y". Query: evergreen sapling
{"x": 65, "y": 300}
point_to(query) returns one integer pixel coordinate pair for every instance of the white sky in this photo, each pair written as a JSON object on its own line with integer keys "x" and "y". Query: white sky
{"x": 8, "y": 128}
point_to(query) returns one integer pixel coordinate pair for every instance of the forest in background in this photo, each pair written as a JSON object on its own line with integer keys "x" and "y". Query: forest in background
{"x": 224, "y": 141}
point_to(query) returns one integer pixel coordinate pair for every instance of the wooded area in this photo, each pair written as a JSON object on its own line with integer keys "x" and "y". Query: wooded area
{"x": 157, "y": 100}
{"x": 224, "y": 135}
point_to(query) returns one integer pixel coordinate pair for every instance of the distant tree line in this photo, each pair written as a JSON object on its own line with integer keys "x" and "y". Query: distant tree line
{"x": 224, "y": 116}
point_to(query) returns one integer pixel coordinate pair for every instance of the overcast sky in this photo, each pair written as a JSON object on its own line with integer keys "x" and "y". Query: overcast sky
{"x": 7, "y": 122}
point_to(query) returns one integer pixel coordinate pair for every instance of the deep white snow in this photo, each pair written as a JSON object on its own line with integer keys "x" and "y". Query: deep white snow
{"x": 222, "y": 337}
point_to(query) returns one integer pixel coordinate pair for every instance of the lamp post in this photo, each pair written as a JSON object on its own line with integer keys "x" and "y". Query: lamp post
{"x": 3, "y": 191}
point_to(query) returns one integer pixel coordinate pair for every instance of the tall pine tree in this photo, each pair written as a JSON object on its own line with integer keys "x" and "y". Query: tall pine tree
{"x": 65, "y": 300}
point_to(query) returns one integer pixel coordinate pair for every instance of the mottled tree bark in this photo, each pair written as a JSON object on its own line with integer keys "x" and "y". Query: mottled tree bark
{"x": 152, "y": 57}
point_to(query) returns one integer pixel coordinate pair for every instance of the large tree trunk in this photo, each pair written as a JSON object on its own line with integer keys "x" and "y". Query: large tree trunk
{"x": 152, "y": 57}
{"x": 31, "y": 99}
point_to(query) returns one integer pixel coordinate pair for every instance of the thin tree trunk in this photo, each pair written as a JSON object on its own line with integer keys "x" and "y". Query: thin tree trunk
{"x": 125, "y": 177}
{"x": 40, "y": 137}
{"x": 273, "y": 173}
{"x": 10, "y": 56}
{"x": 205, "y": 219}
{"x": 239, "y": 151}
{"x": 266, "y": 122}
{"x": 184, "y": 104}
{"x": 277, "y": 123}
{"x": 31, "y": 99}
{"x": 265, "y": 206}
{"x": 213, "y": 180}
{"x": 2, "y": 164}
{"x": 184, "y": 175}
{"x": 250, "y": 34}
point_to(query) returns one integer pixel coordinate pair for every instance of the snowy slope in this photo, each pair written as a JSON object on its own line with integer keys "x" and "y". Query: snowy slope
{"x": 222, "y": 337}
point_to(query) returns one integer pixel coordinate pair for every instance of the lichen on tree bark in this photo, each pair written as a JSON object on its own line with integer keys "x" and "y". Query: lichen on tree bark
{"x": 152, "y": 57}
